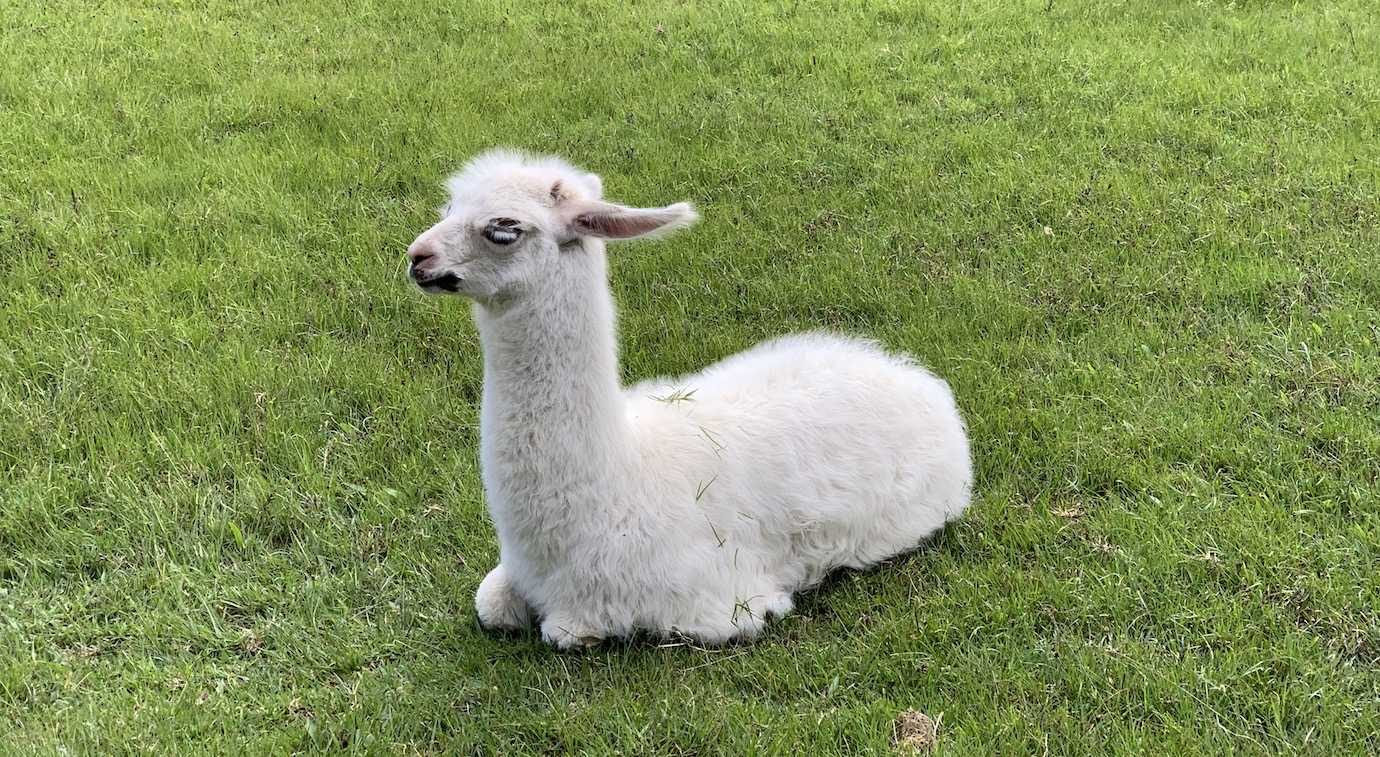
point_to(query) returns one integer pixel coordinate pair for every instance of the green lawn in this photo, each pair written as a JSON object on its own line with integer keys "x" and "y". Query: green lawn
{"x": 240, "y": 506}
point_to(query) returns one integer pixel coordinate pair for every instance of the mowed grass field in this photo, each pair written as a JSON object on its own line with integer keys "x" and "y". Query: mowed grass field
{"x": 240, "y": 508}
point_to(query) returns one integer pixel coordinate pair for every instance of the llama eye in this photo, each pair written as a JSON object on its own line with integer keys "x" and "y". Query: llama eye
{"x": 502, "y": 231}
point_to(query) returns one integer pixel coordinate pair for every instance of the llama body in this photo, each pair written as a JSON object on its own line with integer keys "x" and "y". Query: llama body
{"x": 695, "y": 506}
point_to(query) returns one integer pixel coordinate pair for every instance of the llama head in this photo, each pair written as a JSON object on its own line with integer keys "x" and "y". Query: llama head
{"x": 511, "y": 215}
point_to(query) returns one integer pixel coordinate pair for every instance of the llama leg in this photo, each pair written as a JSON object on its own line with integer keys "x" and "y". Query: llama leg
{"x": 498, "y": 606}
{"x": 744, "y": 622}
{"x": 565, "y": 632}
{"x": 779, "y": 605}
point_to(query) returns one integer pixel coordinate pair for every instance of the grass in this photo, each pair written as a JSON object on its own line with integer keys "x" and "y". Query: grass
{"x": 239, "y": 501}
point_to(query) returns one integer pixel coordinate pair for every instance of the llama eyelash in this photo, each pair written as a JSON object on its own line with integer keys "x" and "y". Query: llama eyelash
{"x": 502, "y": 231}
{"x": 498, "y": 235}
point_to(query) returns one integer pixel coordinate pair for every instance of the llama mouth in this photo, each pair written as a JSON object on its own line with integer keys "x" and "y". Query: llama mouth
{"x": 446, "y": 282}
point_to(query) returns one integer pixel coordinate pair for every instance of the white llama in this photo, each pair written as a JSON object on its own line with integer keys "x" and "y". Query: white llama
{"x": 693, "y": 506}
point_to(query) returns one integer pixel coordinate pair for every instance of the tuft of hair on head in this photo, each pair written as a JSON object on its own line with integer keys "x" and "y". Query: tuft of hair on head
{"x": 483, "y": 169}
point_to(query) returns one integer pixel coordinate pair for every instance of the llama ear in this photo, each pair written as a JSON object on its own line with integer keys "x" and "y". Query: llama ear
{"x": 608, "y": 221}
{"x": 590, "y": 183}
{"x": 595, "y": 184}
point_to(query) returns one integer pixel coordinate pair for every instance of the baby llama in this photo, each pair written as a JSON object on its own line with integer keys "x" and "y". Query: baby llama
{"x": 693, "y": 507}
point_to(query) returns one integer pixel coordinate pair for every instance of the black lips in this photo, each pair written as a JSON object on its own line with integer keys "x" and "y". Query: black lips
{"x": 446, "y": 282}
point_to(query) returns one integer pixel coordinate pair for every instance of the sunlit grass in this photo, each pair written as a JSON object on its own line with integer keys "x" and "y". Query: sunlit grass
{"x": 239, "y": 496}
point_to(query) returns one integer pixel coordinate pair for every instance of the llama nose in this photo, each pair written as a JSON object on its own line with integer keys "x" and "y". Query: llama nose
{"x": 420, "y": 252}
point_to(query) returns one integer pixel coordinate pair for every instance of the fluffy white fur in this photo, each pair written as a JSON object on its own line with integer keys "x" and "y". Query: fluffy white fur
{"x": 693, "y": 506}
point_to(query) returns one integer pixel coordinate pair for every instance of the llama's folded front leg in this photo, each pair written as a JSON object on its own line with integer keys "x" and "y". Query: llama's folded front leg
{"x": 498, "y": 605}
{"x": 742, "y": 620}
{"x": 566, "y": 632}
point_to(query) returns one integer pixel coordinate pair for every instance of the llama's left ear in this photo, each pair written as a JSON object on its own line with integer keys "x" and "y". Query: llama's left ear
{"x": 595, "y": 218}
{"x": 589, "y": 185}
{"x": 595, "y": 184}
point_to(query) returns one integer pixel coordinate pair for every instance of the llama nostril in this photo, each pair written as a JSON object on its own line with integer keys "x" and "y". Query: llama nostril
{"x": 421, "y": 251}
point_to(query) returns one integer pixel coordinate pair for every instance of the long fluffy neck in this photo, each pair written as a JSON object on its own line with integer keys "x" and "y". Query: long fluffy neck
{"x": 554, "y": 426}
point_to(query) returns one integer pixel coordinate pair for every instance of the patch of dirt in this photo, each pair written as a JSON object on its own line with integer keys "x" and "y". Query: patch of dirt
{"x": 914, "y": 731}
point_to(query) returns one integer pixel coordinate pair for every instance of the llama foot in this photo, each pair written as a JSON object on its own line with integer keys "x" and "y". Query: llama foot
{"x": 564, "y": 633}
{"x": 498, "y": 606}
{"x": 748, "y": 618}
{"x": 743, "y": 622}
{"x": 779, "y": 605}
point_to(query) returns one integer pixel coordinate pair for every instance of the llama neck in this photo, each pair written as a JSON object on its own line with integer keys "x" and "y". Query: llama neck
{"x": 553, "y": 419}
